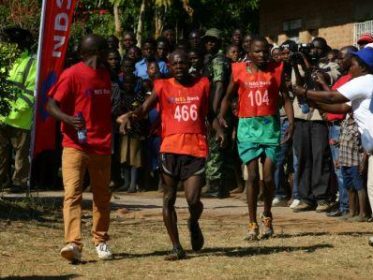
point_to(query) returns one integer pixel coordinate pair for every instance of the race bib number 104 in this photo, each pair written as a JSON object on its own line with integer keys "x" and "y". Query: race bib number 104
{"x": 258, "y": 98}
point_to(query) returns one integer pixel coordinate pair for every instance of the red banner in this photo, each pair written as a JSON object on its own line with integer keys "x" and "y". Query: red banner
{"x": 56, "y": 20}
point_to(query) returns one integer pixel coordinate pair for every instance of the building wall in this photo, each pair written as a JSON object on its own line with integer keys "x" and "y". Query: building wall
{"x": 338, "y": 36}
{"x": 332, "y": 19}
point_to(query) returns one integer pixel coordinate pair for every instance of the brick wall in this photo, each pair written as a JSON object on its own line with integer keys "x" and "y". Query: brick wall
{"x": 332, "y": 19}
{"x": 338, "y": 36}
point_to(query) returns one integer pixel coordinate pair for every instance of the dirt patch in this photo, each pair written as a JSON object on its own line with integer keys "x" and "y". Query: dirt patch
{"x": 306, "y": 245}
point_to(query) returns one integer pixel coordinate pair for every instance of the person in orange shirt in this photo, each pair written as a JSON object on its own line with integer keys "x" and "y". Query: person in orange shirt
{"x": 257, "y": 84}
{"x": 184, "y": 108}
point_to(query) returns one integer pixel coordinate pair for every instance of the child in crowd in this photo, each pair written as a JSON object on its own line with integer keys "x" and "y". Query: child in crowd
{"x": 134, "y": 53}
{"x": 154, "y": 136}
{"x": 195, "y": 61}
{"x": 113, "y": 61}
{"x": 350, "y": 163}
{"x": 113, "y": 42}
{"x": 131, "y": 143}
{"x": 128, "y": 68}
{"x": 232, "y": 53}
{"x": 162, "y": 49}
{"x": 276, "y": 54}
{"x": 333, "y": 55}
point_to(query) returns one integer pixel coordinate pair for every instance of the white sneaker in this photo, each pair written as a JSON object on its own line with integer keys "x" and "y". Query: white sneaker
{"x": 370, "y": 241}
{"x": 276, "y": 201}
{"x": 103, "y": 251}
{"x": 71, "y": 252}
{"x": 295, "y": 203}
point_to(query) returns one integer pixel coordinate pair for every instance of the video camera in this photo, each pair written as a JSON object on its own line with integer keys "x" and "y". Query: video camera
{"x": 303, "y": 50}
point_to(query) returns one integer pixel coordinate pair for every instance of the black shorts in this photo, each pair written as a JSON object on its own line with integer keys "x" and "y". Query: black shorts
{"x": 182, "y": 167}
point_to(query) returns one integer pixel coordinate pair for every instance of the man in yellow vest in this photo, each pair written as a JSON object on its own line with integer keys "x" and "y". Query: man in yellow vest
{"x": 16, "y": 126}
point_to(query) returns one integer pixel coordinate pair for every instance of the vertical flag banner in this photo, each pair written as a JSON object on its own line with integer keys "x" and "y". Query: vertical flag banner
{"x": 55, "y": 25}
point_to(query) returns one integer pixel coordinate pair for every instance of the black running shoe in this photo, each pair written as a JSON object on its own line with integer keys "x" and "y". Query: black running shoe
{"x": 177, "y": 253}
{"x": 196, "y": 236}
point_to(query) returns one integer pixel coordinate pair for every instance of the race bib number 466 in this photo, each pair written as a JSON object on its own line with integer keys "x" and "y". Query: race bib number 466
{"x": 186, "y": 113}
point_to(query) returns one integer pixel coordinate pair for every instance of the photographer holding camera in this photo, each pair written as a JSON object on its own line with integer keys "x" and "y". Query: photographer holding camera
{"x": 311, "y": 143}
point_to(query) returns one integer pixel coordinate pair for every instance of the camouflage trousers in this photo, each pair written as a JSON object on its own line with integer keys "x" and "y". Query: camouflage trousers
{"x": 215, "y": 160}
{"x": 220, "y": 162}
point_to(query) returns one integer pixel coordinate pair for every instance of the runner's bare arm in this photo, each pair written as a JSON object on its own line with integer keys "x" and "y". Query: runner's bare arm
{"x": 288, "y": 106}
{"x": 126, "y": 119}
{"x": 55, "y": 111}
{"x": 226, "y": 102}
{"x": 219, "y": 133}
{"x": 140, "y": 112}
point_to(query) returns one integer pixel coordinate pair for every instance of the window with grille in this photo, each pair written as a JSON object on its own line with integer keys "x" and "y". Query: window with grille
{"x": 363, "y": 27}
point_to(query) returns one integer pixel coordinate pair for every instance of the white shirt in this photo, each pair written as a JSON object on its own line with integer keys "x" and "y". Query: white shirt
{"x": 359, "y": 91}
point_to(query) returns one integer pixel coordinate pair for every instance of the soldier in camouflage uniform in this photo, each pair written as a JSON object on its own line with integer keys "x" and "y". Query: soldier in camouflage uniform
{"x": 217, "y": 69}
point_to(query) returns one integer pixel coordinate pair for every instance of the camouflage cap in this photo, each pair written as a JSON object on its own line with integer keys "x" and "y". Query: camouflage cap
{"x": 214, "y": 33}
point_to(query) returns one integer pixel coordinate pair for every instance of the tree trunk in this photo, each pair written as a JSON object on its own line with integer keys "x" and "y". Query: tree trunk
{"x": 188, "y": 9}
{"x": 118, "y": 27}
{"x": 140, "y": 24}
{"x": 158, "y": 21}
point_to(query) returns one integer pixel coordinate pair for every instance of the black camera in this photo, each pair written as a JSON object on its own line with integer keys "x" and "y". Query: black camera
{"x": 303, "y": 50}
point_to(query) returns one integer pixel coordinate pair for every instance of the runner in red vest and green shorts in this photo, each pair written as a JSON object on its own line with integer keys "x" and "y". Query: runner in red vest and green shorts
{"x": 258, "y": 84}
{"x": 184, "y": 108}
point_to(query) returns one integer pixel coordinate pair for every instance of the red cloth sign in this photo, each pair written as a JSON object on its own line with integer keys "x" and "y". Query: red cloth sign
{"x": 55, "y": 26}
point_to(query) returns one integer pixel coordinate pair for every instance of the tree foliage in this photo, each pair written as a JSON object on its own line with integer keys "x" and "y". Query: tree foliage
{"x": 182, "y": 15}
{"x": 22, "y": 13}
{"x": 8, "y": 54}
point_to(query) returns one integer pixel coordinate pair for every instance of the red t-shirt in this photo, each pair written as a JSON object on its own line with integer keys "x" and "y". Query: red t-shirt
{"x": 258, "y": 92}
{"x": 183, "y": 114}
{"x": 340, "y": 82}
{"x": 81, "y": 88}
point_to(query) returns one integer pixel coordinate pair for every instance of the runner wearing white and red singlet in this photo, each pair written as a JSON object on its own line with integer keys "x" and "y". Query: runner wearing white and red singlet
{"x": 258, "y": 84}
{"x": 184, "y": 107}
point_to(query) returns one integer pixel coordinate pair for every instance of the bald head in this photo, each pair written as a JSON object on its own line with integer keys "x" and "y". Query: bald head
{"x": 92, "y": 45}
{"x": 179, "y": 54}
{"x": 179, "y": 65}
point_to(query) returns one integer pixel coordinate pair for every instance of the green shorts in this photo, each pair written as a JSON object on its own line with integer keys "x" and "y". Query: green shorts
{"x": 257, "y": 136}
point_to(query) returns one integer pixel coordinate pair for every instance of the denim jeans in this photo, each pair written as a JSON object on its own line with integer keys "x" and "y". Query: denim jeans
{"x": 295, "y": 194}
{"x": 334, "y": 132}
{"x": 279, "y": 175}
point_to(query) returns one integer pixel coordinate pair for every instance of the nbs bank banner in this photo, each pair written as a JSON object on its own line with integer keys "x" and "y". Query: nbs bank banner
{"x": 55, "y": 25}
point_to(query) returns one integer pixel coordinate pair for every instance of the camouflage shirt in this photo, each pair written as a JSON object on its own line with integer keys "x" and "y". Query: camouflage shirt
{"x": 217, "y": 68}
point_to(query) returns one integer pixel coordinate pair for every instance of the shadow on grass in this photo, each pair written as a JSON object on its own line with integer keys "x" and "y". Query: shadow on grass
{"x": 39, "y": 277}
{"x": 116, "y": 206}
{"x": 23, "y": 210}
{"x": 48, "y": 210}
{"x": 261, "y": 250}
{"x": 323, "y": 233}
{"x": 232, "y": 251}
{"x": 229, "y": 206}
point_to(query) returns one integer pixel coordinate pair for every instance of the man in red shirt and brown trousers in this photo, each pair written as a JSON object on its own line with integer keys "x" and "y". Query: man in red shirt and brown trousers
{"x": 184, "y": 108}
{"x": 81, "y": 100}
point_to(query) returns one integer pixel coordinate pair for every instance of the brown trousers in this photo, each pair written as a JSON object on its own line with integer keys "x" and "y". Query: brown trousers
{"x": 19, "y": 140}
{"x": 74, "y": 165}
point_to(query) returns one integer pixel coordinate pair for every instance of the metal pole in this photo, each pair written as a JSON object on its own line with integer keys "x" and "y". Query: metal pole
{"x": 36, "y": 92}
